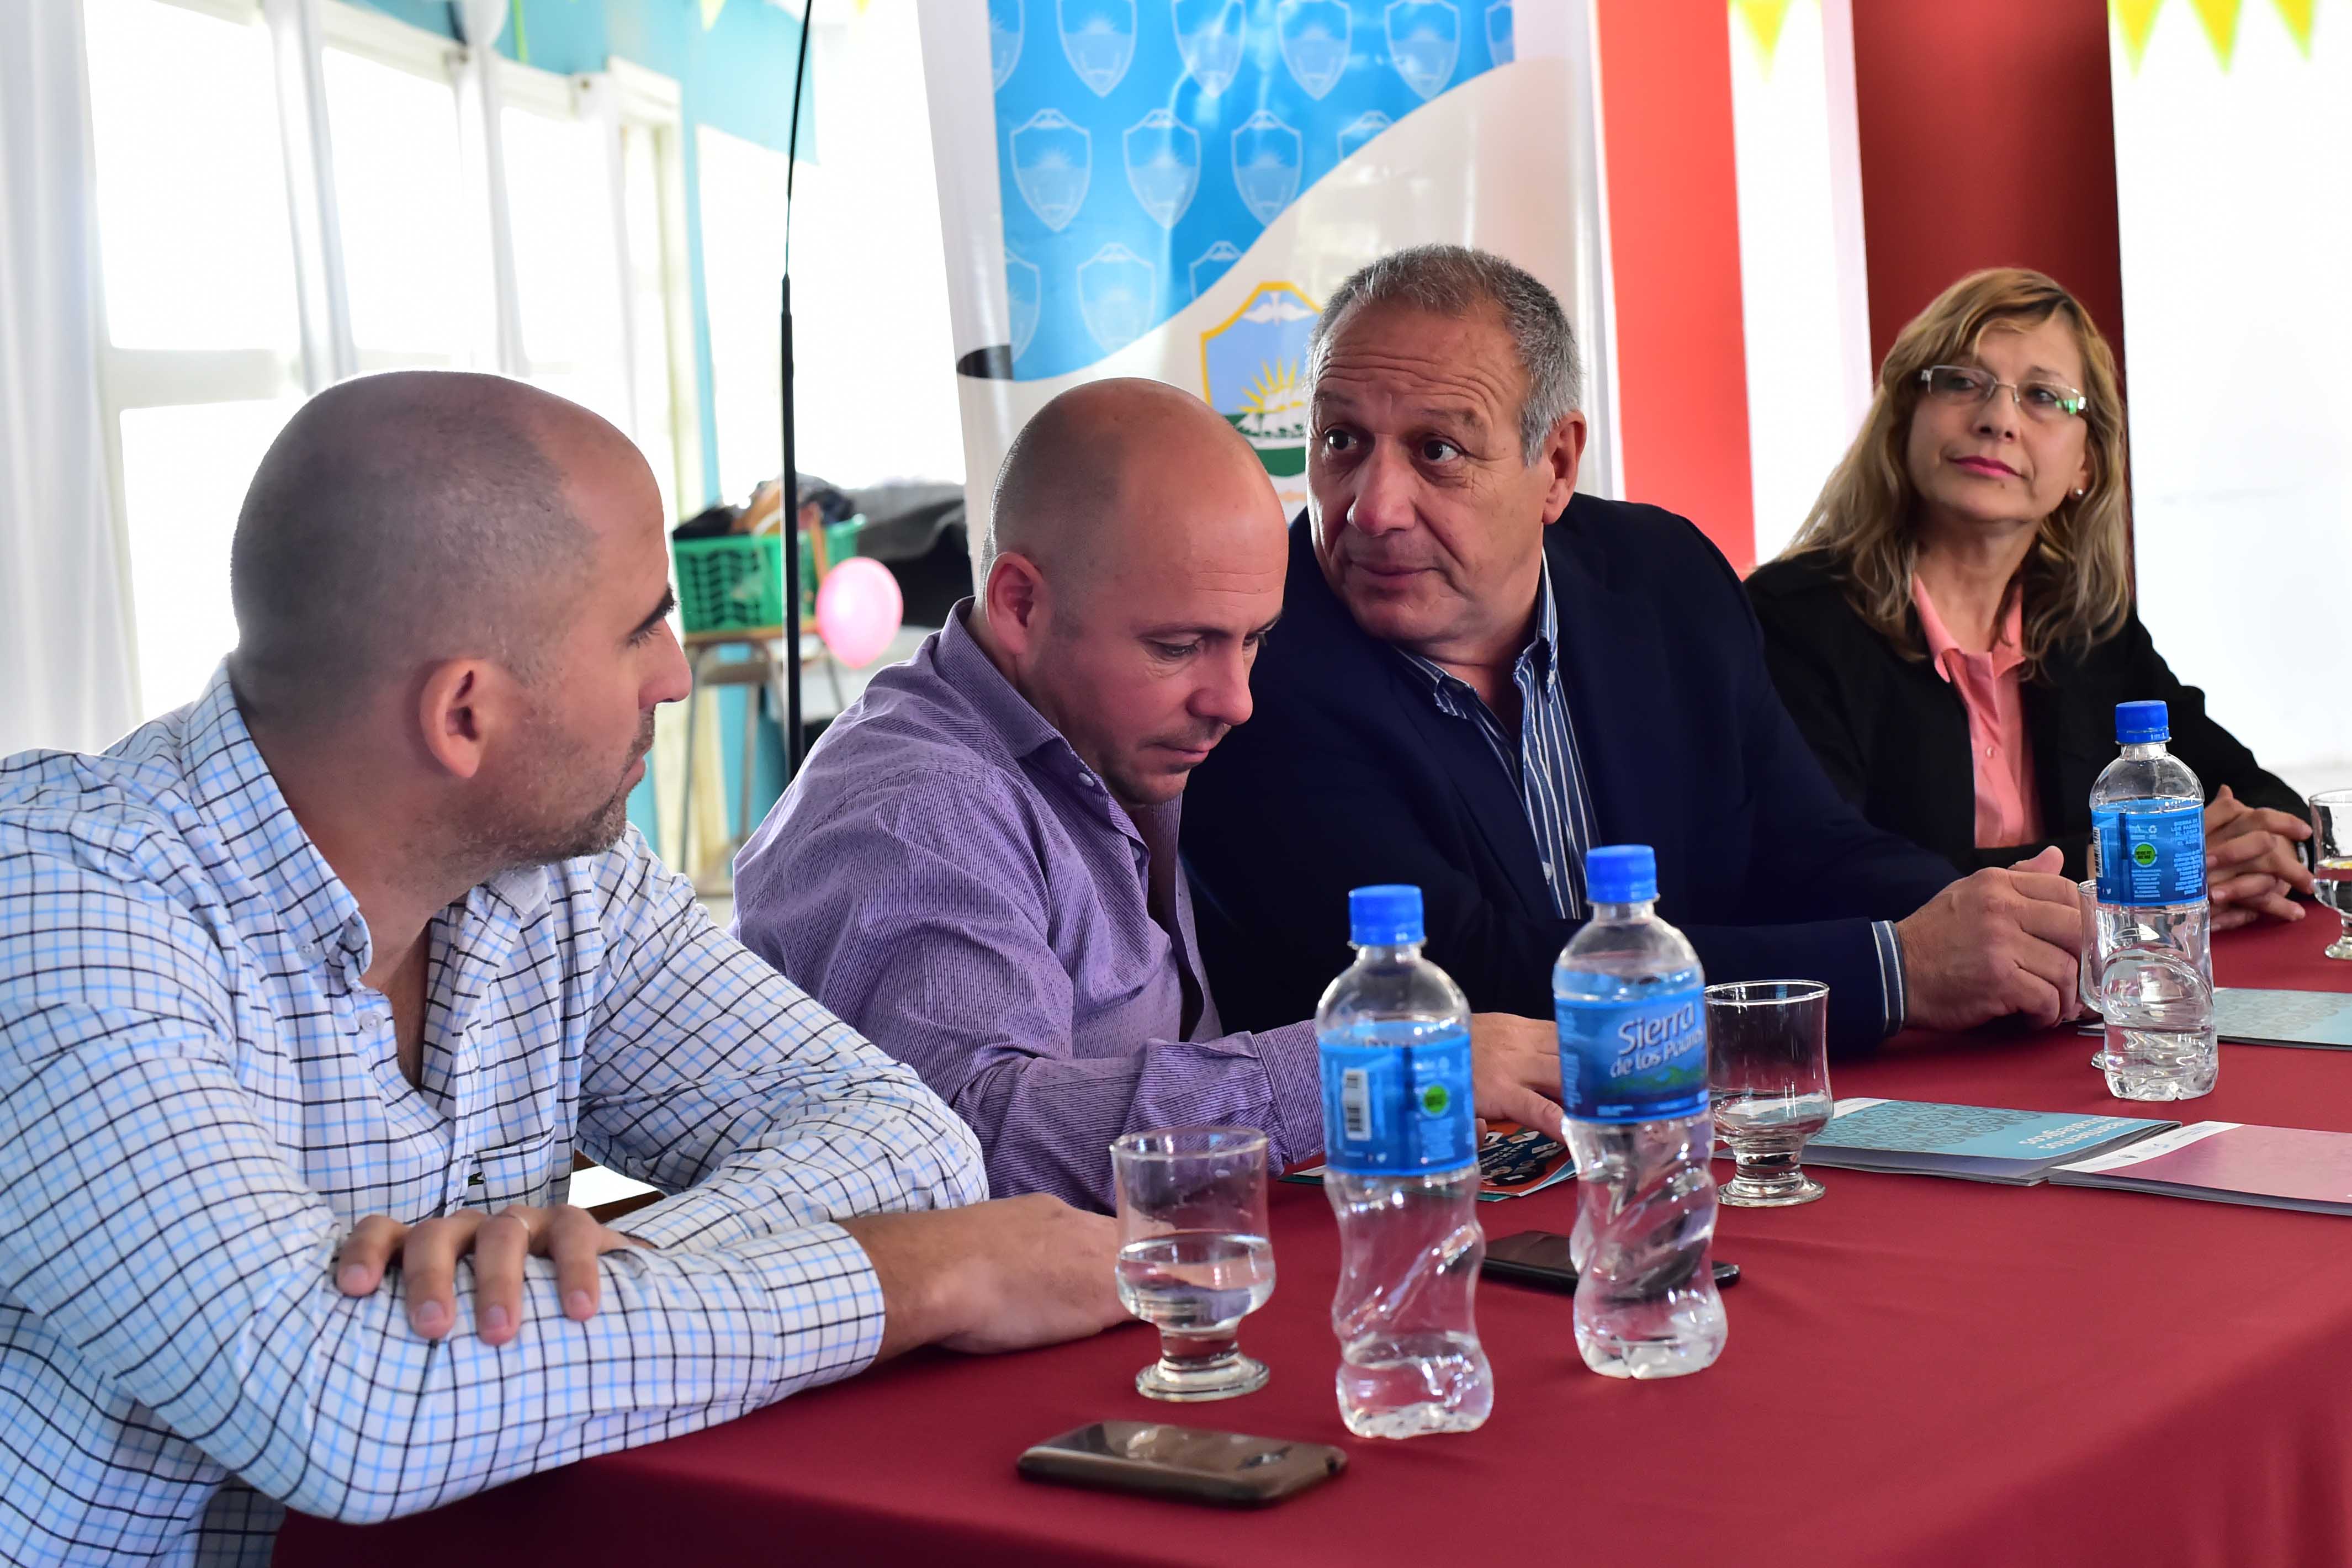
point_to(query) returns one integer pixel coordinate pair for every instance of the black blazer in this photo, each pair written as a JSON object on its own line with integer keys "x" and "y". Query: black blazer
{"x": 1892, "y": 734}
{"x": 1348, "y": 775}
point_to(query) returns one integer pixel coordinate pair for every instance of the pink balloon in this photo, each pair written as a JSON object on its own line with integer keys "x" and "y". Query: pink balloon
{"x": 858, "y": 610}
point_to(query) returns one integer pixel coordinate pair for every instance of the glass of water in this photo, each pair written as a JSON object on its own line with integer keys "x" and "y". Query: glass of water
{"x": 2331, "y": 846}
{"x": 1768, "y": 1073}
{"x": 2086, "y": 989}
{"x": 1193, "y": 1258}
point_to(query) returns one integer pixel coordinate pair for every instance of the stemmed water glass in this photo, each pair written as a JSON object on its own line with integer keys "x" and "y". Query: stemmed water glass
{"x": 1194, "y": 1257}
{"x": 1768, "y": 1074}
{"x": 2087, "y": 988}
{"x": 2331, "y": 847}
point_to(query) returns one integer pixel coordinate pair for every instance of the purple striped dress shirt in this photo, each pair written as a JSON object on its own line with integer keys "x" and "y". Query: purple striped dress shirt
{"x": 948, "y": 876}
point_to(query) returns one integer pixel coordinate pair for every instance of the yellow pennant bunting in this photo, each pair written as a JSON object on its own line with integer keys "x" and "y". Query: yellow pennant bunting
{"x": 2138, "y": 19}
{"x": 711, "y": 9}
{"x": 1764, "y": 19}
{"x": 2221, "y": 21}
{"x": 2296, "y": 15}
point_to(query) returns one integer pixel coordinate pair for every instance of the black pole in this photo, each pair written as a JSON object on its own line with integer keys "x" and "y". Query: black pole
{"x": 791, "y": 476}
{"x": 792, "y": 558}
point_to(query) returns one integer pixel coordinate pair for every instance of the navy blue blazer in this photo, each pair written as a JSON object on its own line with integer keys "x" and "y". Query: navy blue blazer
{"x": 1348, "y": 775}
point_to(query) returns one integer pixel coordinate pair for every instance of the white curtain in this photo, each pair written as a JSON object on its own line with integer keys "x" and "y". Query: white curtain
{"x": 65, "y": 658}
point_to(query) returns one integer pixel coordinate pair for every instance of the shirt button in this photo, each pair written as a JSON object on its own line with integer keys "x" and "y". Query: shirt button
{"x": 1989, "y": 750}
{"x": 1547, "y": 873}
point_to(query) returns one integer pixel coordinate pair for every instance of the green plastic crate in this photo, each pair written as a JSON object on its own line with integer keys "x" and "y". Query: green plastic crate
{"x": 736, "y": 582}
{"x": 731, "y": 584}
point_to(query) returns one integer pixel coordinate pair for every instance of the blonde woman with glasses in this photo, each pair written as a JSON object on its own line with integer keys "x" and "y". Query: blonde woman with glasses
{"x": 1953, "y": 627}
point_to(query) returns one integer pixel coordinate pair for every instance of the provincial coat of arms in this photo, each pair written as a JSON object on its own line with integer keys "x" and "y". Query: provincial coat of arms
{"x": 1253, "y": 370}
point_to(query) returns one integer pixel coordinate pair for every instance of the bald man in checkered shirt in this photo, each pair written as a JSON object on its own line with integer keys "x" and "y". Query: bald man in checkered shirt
{"x": 310, "y": 990}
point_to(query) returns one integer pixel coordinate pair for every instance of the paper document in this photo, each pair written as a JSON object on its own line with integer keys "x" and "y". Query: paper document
{"x": 1977, "y": 1143}
{"x": 2230, "y": 1163}
{"x": 2319, "y": 1020}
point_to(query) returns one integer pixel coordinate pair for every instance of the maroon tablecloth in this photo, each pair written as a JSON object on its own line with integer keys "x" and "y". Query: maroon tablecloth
{"x": 1918, "y": 1371}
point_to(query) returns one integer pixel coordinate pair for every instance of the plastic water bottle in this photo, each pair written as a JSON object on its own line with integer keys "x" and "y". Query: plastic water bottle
{"x": 1631, "y": 1004}
{"x": 2155, "y": 933}
{"x": 1400, "y": 1147}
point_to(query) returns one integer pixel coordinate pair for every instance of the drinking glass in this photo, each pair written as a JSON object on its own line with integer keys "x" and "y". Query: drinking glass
{"x": 1193, "y": 1258}
{"x": 1768, "y": 1073}
{"x": 2331, "y": 847}
{"x": 2086, "y": 986}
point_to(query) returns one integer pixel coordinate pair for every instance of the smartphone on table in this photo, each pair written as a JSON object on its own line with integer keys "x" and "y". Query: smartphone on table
{"x": 1540, "y": 1257}
{"x": 1156, "y": 1457}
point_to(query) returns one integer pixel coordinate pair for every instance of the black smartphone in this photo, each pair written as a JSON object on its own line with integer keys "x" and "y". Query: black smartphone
{"x": 1540, "y": 1257}
{"x": 1228, "y": 1468}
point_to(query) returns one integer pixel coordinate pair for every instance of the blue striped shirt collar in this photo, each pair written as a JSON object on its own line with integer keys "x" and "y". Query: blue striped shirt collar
{"x": 1543, "y": 647}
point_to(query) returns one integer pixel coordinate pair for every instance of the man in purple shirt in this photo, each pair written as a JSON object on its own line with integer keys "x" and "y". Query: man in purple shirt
{"x": 976, "y": 866}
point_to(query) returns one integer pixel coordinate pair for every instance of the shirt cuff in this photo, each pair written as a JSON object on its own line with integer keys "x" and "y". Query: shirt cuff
{"x": 1294, "y": 1069}
{"x": 1894, "y": 1002}
{"x": 827, "y": 1298}
{"x": 703, "y": 1218}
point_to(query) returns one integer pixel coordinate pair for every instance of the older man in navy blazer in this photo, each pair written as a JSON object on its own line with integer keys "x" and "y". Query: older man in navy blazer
{"x": 1480, "y": 674}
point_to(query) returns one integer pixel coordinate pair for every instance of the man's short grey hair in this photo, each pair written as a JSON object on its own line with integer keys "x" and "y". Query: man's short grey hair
{"x": 1455, "y": 280}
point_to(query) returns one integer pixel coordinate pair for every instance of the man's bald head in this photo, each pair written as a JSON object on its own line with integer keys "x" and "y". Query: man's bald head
{"x": 1087, "y": 470}
{"x": 403, "y": 519}
{"x": 1135, "y": 565}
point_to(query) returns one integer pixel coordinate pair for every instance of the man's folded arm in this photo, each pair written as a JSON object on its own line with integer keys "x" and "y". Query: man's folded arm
{"x": 716, "y": 1078}
{"x": 934, "y": 942}
{"x": 150, "y": 1223}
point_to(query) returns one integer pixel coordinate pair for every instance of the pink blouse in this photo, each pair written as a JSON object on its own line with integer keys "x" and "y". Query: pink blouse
{"x": 1992, "y": 688}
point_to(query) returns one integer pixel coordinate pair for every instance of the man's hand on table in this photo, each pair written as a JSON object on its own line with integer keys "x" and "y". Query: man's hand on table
{"x": 1998, "y": 943}
{"x": 1002, "y": 1276}
{"x": 2252, "y": 869}
{"x": 428, "y": 1253}
{"x": 1515, "y": 1070}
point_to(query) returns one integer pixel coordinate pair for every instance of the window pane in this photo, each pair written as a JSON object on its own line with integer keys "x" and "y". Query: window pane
{"x": 649, "y": 321}
{"x": 412, "y": 253}
{"x": 191, "y": 180}
{"x": 742, "y": 262}
{"x": 567, "y": 273}
{"x": 184, "y": 472}
{"x": 868, "y": 228}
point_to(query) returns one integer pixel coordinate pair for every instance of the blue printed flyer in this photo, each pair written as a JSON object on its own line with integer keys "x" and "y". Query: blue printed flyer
{"x": 1975, "y": 1143}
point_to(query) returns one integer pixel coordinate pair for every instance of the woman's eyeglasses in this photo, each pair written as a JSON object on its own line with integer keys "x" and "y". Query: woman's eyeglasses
{"x": 1962, "y": 384}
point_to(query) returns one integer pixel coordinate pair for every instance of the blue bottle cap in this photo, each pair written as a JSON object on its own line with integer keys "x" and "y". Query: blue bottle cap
{"x": 2140, "y": 723}
{"x": 1388, "y": 915}
{"x": 1621, "y": 874}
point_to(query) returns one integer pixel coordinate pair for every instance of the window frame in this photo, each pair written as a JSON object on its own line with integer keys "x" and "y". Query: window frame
{"x": 625, "y": 95}
{"x": 649, "y": 103}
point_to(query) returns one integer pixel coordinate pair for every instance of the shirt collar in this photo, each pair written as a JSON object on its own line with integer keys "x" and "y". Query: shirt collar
{"x": 965, "y": 666}
{"x": 1542, "y": 648}
{"x": 967, "y": 670}
{"x": 231, "y": 787}
{"x": 1546, "y": 636}
{"x": 2008, "y": 645}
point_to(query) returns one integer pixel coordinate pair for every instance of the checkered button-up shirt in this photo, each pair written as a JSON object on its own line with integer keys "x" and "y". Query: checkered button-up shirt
{"x": 199, "y": 1096}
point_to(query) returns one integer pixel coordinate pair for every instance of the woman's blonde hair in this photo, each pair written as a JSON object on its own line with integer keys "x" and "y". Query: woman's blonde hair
{"x": 2076, "y": 579}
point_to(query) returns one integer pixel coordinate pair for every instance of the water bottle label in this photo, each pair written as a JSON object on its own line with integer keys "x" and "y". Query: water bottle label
{"x": 2148, "y": 859}
{"x": 1634, "y": 1062}
{"x": 1397, "y": 1110}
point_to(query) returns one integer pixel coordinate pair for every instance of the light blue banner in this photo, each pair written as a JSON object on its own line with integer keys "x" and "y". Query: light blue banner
{"x": 1143, "y": 145}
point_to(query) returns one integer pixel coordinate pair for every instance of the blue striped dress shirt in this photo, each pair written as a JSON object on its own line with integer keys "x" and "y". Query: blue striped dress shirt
{"x": 1542, "y": 762}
